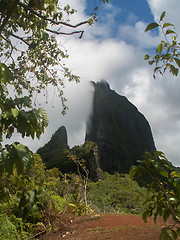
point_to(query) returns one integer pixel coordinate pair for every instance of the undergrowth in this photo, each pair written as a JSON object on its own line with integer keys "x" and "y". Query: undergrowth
{"x": 34, "y": 203}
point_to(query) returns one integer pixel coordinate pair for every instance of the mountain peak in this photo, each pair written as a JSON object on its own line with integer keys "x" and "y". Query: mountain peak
{"x": 103, "y": 84}
{"x": 121, "y": 132}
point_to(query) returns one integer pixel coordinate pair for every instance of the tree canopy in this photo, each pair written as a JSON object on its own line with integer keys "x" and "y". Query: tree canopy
{"x": 31, "y": 59}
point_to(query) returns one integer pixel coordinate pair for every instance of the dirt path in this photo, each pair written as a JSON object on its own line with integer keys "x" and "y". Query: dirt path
{"x": 114, "y": 227}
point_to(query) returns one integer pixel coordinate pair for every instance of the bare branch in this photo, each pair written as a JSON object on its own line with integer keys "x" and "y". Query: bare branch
{"x": 51, "y": 20}
{"x": 63, "y": 33}
{"x": 20, "y": 38}
{"x": 12, "y": 47}
{"x": 70, "y": 25}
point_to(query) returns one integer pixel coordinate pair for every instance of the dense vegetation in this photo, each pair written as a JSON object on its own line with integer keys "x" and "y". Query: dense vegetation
{"x": 33, "y": 203}
{"x": 29, "y": 200}
{"x": 117, "y": 193}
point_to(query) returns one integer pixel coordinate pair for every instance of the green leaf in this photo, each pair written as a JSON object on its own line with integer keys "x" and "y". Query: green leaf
{"x": 164, "y": 235}
{"x": 164, "y": 173}
{"x": 156, "y": 69}
{"x": 151, "y": 26}
{"x": 175, "y": 174}
{"x": 177, "y": 60}
{"x": 160, "y": 47}
{"x": 90, "y": 21}
{"x": 132, "y": 172}
{"x": 169, "y": 31}
{"x": 166, "y": 214}
{"x": 174, "y": 70}
{"x": 15, "y": 112}
{"x": 146, "y": 57}
{"x": 44, "y": 116}
{"x": 151, "y": 62}
{"x": 144, "y": 216}
{"x": 167, "y": 25}
{"x": 162, "y": 16}
{"x": 24, "y": 157}
{"x": 155, "y": 216}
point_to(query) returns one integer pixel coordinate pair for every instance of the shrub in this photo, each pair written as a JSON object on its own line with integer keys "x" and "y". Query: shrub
{"x": 117, "y": 193}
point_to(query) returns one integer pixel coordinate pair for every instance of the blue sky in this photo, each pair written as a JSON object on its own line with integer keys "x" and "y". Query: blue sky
{"x": 114, "y": 49}
{"x": 140, "y": 9}
{"x": 123, "y": 12}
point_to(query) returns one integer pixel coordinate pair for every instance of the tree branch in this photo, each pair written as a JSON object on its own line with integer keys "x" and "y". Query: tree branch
{"x": 20, "y": 38}
{"x": 12, "y": 48}
{"x": 63, "y": 33}
{"x": 49, "y": 19}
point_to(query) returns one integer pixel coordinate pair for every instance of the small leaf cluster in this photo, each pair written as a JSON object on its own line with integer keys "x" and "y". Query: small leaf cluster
{"x": 164, "y": 191}
{"x": 168, "y": 52}
{"x": 94, "y": 14}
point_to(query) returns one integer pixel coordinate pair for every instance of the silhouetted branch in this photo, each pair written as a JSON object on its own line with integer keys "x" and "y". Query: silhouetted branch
{"x": 20, "y": 38}
{"x": 64, "y": 33}
{"x": 51, "y": 20}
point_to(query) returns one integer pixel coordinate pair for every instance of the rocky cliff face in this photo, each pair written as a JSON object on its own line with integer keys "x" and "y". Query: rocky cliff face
{"x": 121, "y": 132}
{"x": 53, "y": 153}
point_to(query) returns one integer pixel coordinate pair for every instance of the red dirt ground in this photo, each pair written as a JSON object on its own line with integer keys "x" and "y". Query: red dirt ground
{"x": 114, "y": 227}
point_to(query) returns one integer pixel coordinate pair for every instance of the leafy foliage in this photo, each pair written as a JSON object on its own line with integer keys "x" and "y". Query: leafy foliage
{"x": 168, "y": 51}
{"x": 116, "y": 193}
{"x": 164, "y": 191}
{"x": 10, "y": 228}
{"x": 30, "y": 198}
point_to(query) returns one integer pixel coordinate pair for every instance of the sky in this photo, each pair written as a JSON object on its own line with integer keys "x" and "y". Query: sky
{"x": 113, "y": 49}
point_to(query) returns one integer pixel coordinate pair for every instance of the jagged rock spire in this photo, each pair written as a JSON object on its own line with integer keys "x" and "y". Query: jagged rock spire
{"x": 121, "y": 132}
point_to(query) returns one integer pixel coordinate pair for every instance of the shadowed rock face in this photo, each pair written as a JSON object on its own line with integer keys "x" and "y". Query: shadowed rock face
{"x": 53, "y": 152}
{"x": 121, "y": 132}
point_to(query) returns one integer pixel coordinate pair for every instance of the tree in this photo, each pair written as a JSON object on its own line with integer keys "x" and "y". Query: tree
{"x": 30, "y": 60}
{"x": 164, "y": 189}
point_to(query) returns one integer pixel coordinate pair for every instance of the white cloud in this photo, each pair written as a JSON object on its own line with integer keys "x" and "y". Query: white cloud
{"x": 134, "y": 34}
